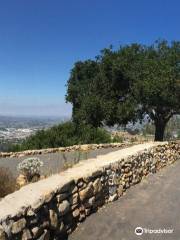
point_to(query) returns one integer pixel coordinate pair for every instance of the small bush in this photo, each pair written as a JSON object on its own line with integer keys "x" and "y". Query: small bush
{"x": 7, "y": 182}
{"x": 30, "y": 167}
{"x": 134, "y": 139}
{"x": 87, "y": 134}
{"x": 117, "y": 139}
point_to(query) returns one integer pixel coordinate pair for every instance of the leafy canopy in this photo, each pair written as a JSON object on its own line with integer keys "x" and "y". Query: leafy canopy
{"x": 127, "y": 84}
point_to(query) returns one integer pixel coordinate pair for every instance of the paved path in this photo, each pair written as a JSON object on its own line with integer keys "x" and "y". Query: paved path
{"x": 153, "y": 204}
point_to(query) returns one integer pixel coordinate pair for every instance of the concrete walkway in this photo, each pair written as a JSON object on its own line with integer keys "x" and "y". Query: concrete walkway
{"x": 152, "y": 204}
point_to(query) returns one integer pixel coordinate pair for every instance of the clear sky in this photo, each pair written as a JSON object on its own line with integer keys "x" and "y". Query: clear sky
{"x": 41, "y": 39}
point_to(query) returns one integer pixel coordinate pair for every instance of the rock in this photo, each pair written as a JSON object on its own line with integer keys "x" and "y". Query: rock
{"x": 62, "y": 197}
{"x": 45, "y": 235}
{"x": 82, "y": 209}
{"x": 127, "y": 169}
{"x": 98, "y": 203}
{"x": 97, "y": 173}
{"x": 21, "y": 180}
{"x": 87, "y": 192}
{"x": 74, "y": 199}
{"x": 145, "y": 172}
{"x": 120, "y": 190}
{"x": 103, "y": 179}
{"x": 73, "y": 190}
{"x": 37, "y": 232}
{"x": 69, "y": 230}
{"x": 53, "y": 218}
{"x": 18, "y": 226}
{"x": 153, "y": 169}
{"x": 7, "y": 226}
{"x": 87, "y": 211}
{"x": 69, "y": 186}
{"x": 46, "y": 224}
{"x": 84, "y": 147}
{"x": 90, "y": 202}
{"x": 68, "y": 220}
{"x": 112, "y": 190}
{"x": 26, "y": 235}
{"x": 37, "y": 204}
{"x": 74, "y": 206}
{"x": 64, "y": 207}
{"x": 21, "y": 155}
{"x": 2, "y": 233}
{"x": 80, "y": 184}
{"x": 97, "y": 186}
{"x": 82, "y": 217}
{"x": 48, "y": 196}
{"x": 113, "y": 197}
{"x": 76, "y": 213}
{"x": 61, "y": 228}
{"x": 31, "y": 213}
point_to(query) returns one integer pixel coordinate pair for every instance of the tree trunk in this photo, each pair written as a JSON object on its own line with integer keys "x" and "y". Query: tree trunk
{"x": 159, "y": 130}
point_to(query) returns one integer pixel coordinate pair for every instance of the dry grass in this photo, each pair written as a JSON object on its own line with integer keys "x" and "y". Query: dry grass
{"x": 121, "y": 136}
{"x": 78, "y": 156}
{"x": 7, "y": 182}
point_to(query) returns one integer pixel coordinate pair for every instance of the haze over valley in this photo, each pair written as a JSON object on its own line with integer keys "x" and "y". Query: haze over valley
{"x": 13, "y": 129}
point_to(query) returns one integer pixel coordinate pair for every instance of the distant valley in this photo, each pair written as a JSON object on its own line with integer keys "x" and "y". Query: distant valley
{"x": 15, "y": 129}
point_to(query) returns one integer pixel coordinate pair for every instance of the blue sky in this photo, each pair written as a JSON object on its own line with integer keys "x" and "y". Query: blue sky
{"x": 41, "y": 39}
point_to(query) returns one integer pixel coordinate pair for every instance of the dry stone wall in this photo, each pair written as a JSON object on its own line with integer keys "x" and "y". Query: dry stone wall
{"x": 52, "y": 208}
{"x": 84, "y": 147}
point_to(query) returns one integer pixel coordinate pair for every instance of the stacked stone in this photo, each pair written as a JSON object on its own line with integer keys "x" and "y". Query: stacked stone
{"x": 60, "y": 212}
{"x": 85, "y": 147}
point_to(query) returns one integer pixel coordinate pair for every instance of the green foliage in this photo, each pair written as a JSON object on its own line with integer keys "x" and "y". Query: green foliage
{"x": 96, "y": 88}
{"x": 117, "y": 139}
{"x": 65, "y": 134}
{"x": 127, "y": 84}
{"x": 80, "y": 92}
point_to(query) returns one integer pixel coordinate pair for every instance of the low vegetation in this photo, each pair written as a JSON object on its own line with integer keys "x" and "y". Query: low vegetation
{"x": 7, "y": 182}
{"x": 63, "y": 135}
{"x": 30, "y": 168}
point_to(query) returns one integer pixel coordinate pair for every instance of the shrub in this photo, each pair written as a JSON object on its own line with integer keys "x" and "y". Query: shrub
{"x": 117, "y": 139}
{"x": 7, "y": 182}
{"x": 63, "y": 135}
{"x": 30, "y": 167}
{"x": 87, "y": 134}
{"x": 133, "y": 139}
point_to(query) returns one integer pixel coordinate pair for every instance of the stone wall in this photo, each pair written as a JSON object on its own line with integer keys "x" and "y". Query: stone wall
{"x": 84, "y": 147}
{"x": 52, "y": 208}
